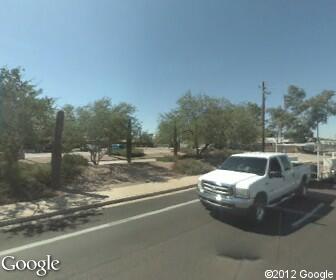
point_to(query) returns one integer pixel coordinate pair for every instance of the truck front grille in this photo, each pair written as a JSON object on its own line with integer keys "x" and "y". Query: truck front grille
{"x": 212, "y": 187}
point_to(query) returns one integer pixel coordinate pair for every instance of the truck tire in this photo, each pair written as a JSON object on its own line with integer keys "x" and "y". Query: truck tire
{"x": 302, "y": 190}
{"x": 206, "y": 205}
{"x": 258, "y": 210}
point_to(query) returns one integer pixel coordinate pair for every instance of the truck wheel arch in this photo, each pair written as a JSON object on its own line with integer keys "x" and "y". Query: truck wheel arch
{"x": 257, "y": 210}
{"x": 302, "y": 187}
{"x": 304, "y": 179}
{"x": 262, "y": 196}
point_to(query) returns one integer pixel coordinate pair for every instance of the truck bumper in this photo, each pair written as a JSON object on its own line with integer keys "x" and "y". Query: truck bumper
{"x": 234, "y": 204}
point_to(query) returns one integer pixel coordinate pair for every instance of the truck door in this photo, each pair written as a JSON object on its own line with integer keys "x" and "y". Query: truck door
{"x": 276, "y": 183}
{"x": 288, "y": 173}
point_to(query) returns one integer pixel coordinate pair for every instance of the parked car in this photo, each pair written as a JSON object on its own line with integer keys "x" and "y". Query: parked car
{"x": 251, "y": 182}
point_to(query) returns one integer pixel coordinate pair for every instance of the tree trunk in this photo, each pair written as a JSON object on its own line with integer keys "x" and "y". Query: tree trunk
{"x": 196, "y": 143}
{"x": 204, "y": 148}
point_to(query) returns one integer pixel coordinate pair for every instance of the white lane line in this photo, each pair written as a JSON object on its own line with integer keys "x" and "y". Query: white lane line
{"x": 88, "y": 230}
{"x": 308, "y": 215}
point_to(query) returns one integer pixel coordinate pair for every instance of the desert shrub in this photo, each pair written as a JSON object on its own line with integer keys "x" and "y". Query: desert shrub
{"x": 4, "y": 192}
{"x": 31, "y": 181}
{"x": 41, "y": 172}
{"x": 72, "y": 166}
{"x": 187, "y": 151}
{"x": 122, "y": 152}
{"x": 73, "y": 159}
{"x": 191, "y": 167}
{"x": 217, "y": 157}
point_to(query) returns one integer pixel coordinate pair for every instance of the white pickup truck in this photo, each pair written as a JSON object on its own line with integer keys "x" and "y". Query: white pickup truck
{"x": 253, "y": 182}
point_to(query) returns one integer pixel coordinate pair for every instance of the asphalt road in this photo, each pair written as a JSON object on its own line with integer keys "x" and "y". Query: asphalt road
{"x": 174, "y": 237}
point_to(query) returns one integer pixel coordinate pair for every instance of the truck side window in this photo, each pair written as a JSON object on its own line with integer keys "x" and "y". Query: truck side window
{"x": 274, "y": 165}
{"x": 285, "y": 162}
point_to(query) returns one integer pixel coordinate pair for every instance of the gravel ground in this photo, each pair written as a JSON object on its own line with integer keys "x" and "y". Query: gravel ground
{"x": 97, "y": 178}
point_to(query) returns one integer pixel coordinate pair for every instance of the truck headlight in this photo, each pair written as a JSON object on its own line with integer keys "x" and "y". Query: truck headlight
{"x": 242, "y": 193}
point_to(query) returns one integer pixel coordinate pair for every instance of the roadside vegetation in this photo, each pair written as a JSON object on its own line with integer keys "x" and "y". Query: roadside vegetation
{"x": 33, "y": 180}
{"x": 192, "y": 167}
{"x": 167, "y": 158}
{"x": 300, "y": 116}
{"x": 199, "y": 122}
{"x": 136, "y": 152}
{"x": 72, "y": 167}
{"x": 201, "y": 130}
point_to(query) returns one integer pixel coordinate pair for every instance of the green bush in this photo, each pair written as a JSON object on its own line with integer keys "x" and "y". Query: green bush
{"x": 73, "y": 159}
{"x": 41, "y": 172}
{"x": 191, "y": 167}
{"x": 72, "y": 166}
{"x": 122, "y": 152}
{"x": 27, "y": 182}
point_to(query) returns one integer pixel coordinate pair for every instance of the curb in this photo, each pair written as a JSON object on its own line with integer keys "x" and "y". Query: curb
{"x": 86, "y": 207}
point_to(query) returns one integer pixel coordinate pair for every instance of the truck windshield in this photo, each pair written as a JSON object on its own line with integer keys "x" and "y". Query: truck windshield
{"x": 245, "y": 164}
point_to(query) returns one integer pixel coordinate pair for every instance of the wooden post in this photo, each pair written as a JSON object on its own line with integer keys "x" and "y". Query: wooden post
{"x": 56, "y": 157}
{"x": 129, "y": 141}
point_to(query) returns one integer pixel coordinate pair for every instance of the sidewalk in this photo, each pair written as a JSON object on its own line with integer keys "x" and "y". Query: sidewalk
{"x": 70, "y": 202}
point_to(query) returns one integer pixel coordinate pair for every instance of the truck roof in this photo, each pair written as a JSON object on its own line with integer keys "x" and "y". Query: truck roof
{"x": 258, "y": 154}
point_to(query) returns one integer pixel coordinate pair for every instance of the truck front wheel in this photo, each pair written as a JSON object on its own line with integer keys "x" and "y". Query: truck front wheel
{"x": 258, "y": 210}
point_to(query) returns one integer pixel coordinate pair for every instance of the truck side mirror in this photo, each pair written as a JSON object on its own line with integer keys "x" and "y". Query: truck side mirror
{"x": 275, "y": 174}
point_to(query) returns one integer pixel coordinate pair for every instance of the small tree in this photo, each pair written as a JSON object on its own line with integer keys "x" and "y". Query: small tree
{"x": 279, "y": 119}
{"x": 202, "y": 120}
{"x": 25, "y": 118}
{"x": 300, "y": 115}
{"x": 73, "y": 136}
{"x": 102, "y": 124}
{"x": 320, "y": 108}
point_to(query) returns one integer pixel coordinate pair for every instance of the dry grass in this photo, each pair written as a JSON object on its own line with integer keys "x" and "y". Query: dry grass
{"x": 96, "y": 178}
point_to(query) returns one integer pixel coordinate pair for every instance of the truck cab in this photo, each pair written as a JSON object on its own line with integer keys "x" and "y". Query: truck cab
{"x": 250, "y": 182}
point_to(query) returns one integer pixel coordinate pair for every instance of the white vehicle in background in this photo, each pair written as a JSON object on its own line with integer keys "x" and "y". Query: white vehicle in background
{"x": 251, "y": 182}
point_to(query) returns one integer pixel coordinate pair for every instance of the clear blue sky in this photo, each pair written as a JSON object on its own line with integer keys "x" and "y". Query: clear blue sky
{"x": 149, "y": 53}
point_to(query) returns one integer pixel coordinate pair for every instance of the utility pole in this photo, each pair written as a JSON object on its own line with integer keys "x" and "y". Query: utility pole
{"x": 263, "y": 108}
{"x": 263, "y": 88}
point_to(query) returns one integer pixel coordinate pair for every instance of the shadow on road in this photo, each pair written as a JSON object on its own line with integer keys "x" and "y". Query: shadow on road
{"x": 59, "y": 224}
{"x": 287, "y": 217}
{"x": 327, "y": 184}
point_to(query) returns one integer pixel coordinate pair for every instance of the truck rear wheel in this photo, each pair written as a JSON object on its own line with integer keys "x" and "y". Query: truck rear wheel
{"x": 258, "y": 210}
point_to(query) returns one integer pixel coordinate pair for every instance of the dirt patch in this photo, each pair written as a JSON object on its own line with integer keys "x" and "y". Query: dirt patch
{"x": 96, "y": 178}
